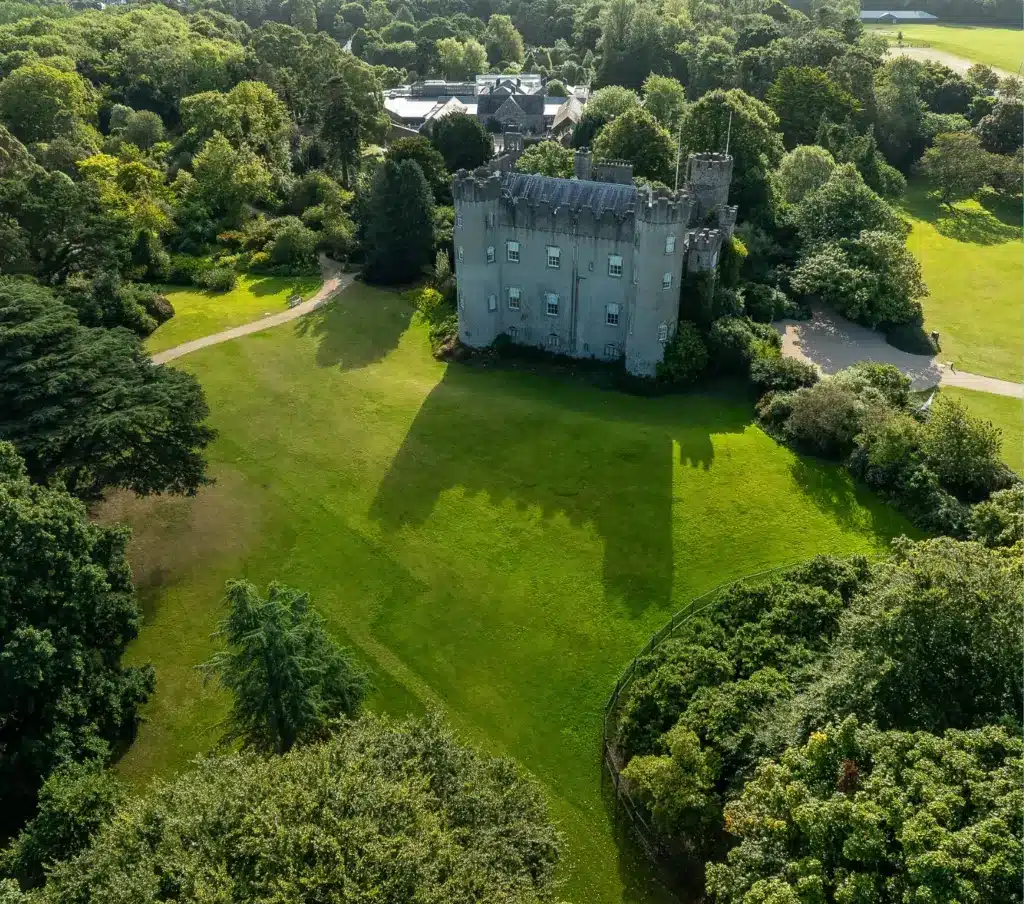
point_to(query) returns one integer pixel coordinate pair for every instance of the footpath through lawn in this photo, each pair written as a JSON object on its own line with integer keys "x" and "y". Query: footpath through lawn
{"x": 999, "y": 47}
{"x": 972, "y": 262}
{"x": 498, "y": 543}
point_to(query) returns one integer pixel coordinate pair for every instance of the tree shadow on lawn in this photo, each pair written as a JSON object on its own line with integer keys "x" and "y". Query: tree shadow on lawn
{"x": 993, "y": 222}
{"x": 840, "y": 497}
{"x": 274, "y": 285}
{"x": 543, "y": 444}
{"x": 357, "y": 328}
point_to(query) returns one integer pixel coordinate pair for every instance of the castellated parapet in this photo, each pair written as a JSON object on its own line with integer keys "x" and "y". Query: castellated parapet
{"x": 480, "y": 185}
{"x": 727, "y": 220}
{"x": 708, "y": 176}
{"x": 618, "y": 171}
{"x": 705, "y": 246}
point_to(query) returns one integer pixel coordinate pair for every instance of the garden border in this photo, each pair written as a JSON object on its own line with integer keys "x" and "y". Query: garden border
{"x": 641, "y": 830}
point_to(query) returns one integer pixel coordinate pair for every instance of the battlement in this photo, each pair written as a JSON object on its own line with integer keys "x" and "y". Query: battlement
{"x": 618, "y": 171}
{"x": 482, "y": 184}
{"x": 582, "y": 163}
{"x": 727, "y": 219}
{"x": 704, "y": 245}
{"x": 706, "y": 240}
{"x": 661, "y": 206}
{"x": 708, "y": 176}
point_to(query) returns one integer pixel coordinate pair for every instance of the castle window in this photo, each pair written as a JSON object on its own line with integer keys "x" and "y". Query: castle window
{"x": 714, "y": 259}
{"x": 492, "y": 302}
{"x": 663, "y": 332}
{"x": 611, "y": 350}
{"x": 458, "y": 222}
{"x": 512, "y": 250}
{"x": 460, "y": 254}
{"x": 514, "y": 295}
{"x": 490, "y": 254}
{"x": 554, "y": 342}
{"x": 670, "y": 244}
{"x": 611, "y": 314}
{"x": 512, "y": 332}
{"x": 490, "y": 219}
{"x": 614, "y": 265}
{"x": 462, "y": 302}
{"x": 666, "y": 281}
{"x": 551, "y": 300}
{"x": 554, "y": 257}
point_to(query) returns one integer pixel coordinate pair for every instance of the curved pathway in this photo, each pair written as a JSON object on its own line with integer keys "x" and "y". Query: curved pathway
{"x": 956, "y": 63}
{"x": 831, "y": 343}
{"x": 334, "y": 282}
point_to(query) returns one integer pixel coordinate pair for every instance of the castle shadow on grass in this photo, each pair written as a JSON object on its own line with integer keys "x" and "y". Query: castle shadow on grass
{"x": 598, "y": 458}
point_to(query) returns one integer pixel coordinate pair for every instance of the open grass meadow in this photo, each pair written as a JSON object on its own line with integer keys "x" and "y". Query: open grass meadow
{"x": 198, "y": 312}
{"x": 999, "y": 47}
{"x": 971, "y": 259}
{"x": 498, "y": 543}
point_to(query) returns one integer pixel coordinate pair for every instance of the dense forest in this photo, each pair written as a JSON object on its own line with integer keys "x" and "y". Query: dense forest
{"x": 147, "y": 145}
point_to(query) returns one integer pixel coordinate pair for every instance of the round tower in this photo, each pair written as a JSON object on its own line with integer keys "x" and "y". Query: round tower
{"x": 707, "y": 177}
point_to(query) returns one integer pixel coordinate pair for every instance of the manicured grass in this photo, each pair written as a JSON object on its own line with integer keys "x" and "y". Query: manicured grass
{"x": 1005, "y": 412}
{"x": 198, "y": 313}
{"x": 999, "y": 47}
{"x": 497, "y": 543}
{"x": 971, "y": 261}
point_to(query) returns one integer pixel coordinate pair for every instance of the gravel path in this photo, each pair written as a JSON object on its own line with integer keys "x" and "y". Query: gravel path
{"x": 956, "y": 63}
{"x": 334, "y": 282}
{"x": 831, "y": 343}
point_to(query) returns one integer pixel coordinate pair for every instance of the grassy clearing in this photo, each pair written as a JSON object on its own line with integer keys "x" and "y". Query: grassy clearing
{"x": 497, "y": 543}
{"x": 199, "y": 313}
{"x": 999, "y": 47}
{"x": 972, "y": 264}
{"x": 1005, "y": 412}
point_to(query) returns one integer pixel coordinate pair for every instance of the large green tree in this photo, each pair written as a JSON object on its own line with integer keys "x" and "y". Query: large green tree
{"x": 803, "y": 170}
{"x": 287, "y": 676}
{"x": 548, "y": 158}
{"x": 399, "y": 232}
{"x": 69, "y": 612}
{"x": 842, "y": 208}
{"x": 429, "y": 160}
{"x": 858, "y": 814}
{"x": 802, "y": 97}
{"x": 462, "y": 141}
{"x": 382, "y": 812}
{"x": 636, "y": 137}
{"x": 665, "y": 100}
{"x": 957, "y": 166}
{"x": 503, "y": 42}
{"x": 87, "y": 406}
{"x": 39, "y": 102}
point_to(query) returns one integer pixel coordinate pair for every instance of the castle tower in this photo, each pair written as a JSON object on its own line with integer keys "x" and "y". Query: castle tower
{"x": 661, "y": 221}
{"x": 582, "y": 162}
{"x": 477, "y": 255}
{"x": 705, "y": 246}
{"x": 708, "y": 177}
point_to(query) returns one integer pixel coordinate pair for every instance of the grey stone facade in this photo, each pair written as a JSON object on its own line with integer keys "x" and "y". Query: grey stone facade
{"x": 589, "y": 267}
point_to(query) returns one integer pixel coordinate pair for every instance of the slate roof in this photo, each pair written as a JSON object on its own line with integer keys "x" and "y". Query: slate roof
{"x": 572, "y": 193}
{"x": 902, "y": 15}
{"x": 570, "y": 113}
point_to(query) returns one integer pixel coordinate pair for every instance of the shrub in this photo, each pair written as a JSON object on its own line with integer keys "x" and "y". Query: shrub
{"x": 824, "y": 419}
{"x": 686, "y": 356}
{"x": 764, "y": 303}
{"x": 292, "y": 250}
{"x": 440, "y": 315}
{"x": 734, "y": 253}
{"x": 218, "y": 279}
{"x": 158, "y": 307}
{"x": 776, "y": 373}
{"x": 999, "y": 520}
{"x": 185, "y": 270}
{"x": 963, "y": 451}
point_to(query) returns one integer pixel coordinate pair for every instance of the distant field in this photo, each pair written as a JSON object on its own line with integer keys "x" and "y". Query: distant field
{"x": 1000, "y": 47}
{"x": 199, "y": 313}
{"x": 971, "y": 261}
{"x": 1006, "y": 413}
{"x": 497, "y": 543}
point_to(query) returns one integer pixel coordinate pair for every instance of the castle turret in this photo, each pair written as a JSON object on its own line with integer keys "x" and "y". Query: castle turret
{"x": 705, "y": 245}
{"x": 708, "y": 177}
{"x": 581, "y": 164}
{"x": 477, "y": 253}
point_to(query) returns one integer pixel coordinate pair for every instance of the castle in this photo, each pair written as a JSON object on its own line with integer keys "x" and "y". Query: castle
{"x": 589, "y": 267}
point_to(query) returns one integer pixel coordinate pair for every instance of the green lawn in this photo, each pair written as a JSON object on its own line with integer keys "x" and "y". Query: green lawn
{"x": 971, "y": 261}
{"x": 1005, "y": 412}
{"x": 999, "y": 47}
{"x": 198, "y": 313}
{"x": 497, "y": 543}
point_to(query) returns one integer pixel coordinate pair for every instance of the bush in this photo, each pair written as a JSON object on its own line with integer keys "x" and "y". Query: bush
{"x": 440, "y": 315}
{"x": 158, "y": 307}
{"x": 999, "y": 520}
{"x": 775, "y": 373}
{"x": 734, "y": 253}
{"x": 824, "y": 419}
{"x": 686, "y": 356}
{"x": 292, "y": 251}
{"x": 185, "y": 270}
{"x": 218, "y": 279}
{"x": 764, "y": 303}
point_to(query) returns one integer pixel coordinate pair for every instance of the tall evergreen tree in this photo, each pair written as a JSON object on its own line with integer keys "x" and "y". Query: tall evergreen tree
{"x": 400, "y": 225}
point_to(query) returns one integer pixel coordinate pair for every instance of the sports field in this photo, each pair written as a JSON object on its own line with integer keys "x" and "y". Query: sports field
{"x": 497, "y": 543}
{"x": 972, "y": 262}
{"x": 999, "y": 47}
{"x": 199, "y": 313}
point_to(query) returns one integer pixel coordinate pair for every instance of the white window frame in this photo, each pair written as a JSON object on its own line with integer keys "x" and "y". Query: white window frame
{"x": 663, "y": 332}
{"x": 490, "y": 254}
{"x": 611, "y": 315}
{"x": 492, "y": 303}
{"x": 550, "y": 300}
{"x": 459, "y": 254}
{"x": 611, "y": 350}
{"x": 554, "y": 342}
{"x": 666, "y": 281}
{"x": 554, "y": 257}
{"x": 512, "y": 248}
{"x": 670, "y": 244}
{"x": 615, "y": 266}
{"x": 512, "y": 332}
{"x": 515, "y": 294}
{"x": 458, "y": 221}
